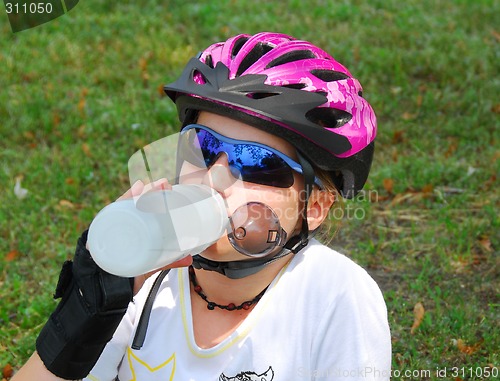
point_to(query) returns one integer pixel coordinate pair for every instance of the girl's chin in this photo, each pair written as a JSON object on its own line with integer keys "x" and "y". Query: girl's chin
{"x": 221, "y": 252}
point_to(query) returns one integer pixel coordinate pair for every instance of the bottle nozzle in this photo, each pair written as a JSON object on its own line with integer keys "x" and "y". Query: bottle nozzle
{"x": 256, "y": 230}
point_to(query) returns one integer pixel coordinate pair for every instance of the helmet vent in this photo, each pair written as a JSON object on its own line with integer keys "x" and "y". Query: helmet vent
{"x": 260, "y": 95}
{"x": 291, "y": 57}
{"x": 237, "y": 46}
{"x": 199, "y": 78}
{"x": 209, "y": 61}
{"x": 253, "y": 56}
{"x": 298, "y": 86}
{"x": 328, "y": 117}
{"x": 329, "y": 75}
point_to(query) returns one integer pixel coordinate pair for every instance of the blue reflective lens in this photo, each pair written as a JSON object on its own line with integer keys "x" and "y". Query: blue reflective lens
{"x": 249, "y": 161}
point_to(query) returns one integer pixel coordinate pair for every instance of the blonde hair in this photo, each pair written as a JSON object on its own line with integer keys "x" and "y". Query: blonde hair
{"x": 329, "y": 228}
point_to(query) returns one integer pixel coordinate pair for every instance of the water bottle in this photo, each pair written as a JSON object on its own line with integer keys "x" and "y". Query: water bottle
{"x": 132, "y": 237}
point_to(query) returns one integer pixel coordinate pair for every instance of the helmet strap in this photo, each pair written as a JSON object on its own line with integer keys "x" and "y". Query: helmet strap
{"x": 237, "y": 269}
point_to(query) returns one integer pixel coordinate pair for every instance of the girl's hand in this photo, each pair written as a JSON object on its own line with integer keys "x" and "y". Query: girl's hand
{"x": 136, "y": 190}
{"x": 139, "y": 188}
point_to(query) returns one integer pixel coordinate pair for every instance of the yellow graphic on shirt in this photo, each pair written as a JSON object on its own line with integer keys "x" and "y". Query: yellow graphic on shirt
{"x": 164, "y": 371}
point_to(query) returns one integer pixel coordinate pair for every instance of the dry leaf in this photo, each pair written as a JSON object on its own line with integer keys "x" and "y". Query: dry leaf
{"x": 143, "y": 64}
{"x": 29, "y": 135}
{"x": 459, "y": 266}
{"x": 66, "y": 204}
{"x": 86, "y": 150}
{"x": 420, "y": 100}
{"x": 485, "y": 243}
{"x": 452, "y": 147}
{"x": 395, "y": 155}
{"x": 477, "y": 259}
{"x": 56, "y": 119}
{"x": 428, "y": 189}
{"x": 418, "y": 316}
{"x": 398, "y": 137}
{"x": 491, "y": 182}
{"x": 356, "y": 54}
{"x": 145, "y": 79}
{"x": 8, "y": 371}
{"x": 11, "y": 255}
{"x": 82, "y": 102}
{"x": 402, "y": 197}
{"x": 408, "y": 116}
{"x": 468, "y": 349}
{"x": 81, "y": 131}
{"x": 81, "y": 106}
{"x": 161, "y": 91}
{"x": 388, "y": 185}
{"x": 28, "y": 77}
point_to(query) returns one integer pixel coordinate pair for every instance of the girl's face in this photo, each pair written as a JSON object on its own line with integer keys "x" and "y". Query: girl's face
{"x": 284, "y": 201}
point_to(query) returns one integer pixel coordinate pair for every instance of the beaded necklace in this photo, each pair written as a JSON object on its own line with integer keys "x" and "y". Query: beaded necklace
{"x": 231, "y": 306}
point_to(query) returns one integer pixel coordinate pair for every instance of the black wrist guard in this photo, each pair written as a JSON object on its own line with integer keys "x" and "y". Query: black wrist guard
{"x": 92, "y": 305}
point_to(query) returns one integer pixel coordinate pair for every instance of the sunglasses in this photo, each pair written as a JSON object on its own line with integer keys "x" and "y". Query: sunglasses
{"x": 248, "y": 161}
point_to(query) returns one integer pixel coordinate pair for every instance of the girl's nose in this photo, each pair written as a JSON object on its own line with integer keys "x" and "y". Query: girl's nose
{"x": 219, "y": 176}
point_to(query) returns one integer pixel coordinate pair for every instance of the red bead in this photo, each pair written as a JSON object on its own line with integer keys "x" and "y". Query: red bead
{"x": 197, "y": 289}
{"x": 231, "y": 306}
{"x": 246, "y": 306}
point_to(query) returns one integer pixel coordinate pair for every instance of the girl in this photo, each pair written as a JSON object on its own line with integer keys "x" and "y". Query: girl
{"x": 282, "y": 124}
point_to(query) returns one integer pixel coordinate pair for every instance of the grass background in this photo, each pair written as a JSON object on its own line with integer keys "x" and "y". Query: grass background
{"x": 80, "y": 94}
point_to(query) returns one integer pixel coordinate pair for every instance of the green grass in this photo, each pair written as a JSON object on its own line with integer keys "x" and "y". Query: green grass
{"x": 80, "y": 94}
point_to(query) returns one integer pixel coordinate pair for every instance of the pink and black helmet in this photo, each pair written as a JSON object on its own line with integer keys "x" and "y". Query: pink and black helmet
{"x": 290, "y": 88}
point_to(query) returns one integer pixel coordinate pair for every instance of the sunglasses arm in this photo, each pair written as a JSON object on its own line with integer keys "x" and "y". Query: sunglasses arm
{"x": 298, "y": 242}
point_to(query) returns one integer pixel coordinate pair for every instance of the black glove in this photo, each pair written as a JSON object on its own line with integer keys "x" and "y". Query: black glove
{"x": 92, "y": 305}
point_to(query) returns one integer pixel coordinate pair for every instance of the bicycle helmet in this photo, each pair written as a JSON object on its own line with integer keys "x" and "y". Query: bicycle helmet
{"x": 292, "y": 89}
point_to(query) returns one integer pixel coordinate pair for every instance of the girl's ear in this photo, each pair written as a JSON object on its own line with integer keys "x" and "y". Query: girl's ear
{"x": 318, "y": 207}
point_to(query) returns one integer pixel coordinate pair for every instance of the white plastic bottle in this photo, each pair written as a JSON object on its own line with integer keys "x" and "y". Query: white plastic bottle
{"x": 132, "y": 237}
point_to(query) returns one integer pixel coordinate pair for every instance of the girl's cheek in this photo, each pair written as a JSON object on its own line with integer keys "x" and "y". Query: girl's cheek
{"x": 284, "y": 202}
{"x": 190, "y": 174}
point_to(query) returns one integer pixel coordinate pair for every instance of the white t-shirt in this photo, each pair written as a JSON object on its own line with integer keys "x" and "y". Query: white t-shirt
{"x": 322, "y": 318}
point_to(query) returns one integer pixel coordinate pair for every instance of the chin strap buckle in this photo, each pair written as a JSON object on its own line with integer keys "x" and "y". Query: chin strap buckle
{"x": 297, "y": 243}
{"x": 202, "y": 263}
